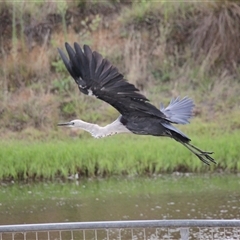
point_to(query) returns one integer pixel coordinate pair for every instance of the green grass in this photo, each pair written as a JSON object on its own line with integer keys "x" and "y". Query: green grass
{"x": 117, "y": 155}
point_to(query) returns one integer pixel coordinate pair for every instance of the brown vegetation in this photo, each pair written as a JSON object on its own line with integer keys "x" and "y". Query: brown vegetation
{"x": 217, "y": 35}
{"x": 164, "y": 48}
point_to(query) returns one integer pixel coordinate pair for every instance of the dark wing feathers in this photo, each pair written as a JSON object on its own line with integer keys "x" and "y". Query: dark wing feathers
{"x": 87, "y": 52}
{"x": 99, "y": 60}
{"x": 67, "y": 63}
{"x": 107, "y": 69}
{"x": 96, "y": 75}
{"x": 82, "y": 61}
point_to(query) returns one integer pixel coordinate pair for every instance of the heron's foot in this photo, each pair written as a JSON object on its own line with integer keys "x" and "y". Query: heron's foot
{"x": 205, "y": 157}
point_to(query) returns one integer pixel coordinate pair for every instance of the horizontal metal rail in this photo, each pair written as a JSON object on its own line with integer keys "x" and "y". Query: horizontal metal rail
{"x": 200, "y": 223}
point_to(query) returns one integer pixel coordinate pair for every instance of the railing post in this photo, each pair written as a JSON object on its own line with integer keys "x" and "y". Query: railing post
{"x": 184, "y": 233}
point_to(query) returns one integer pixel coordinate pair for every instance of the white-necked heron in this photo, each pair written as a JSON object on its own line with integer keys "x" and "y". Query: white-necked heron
{"x": 97, "y": 77}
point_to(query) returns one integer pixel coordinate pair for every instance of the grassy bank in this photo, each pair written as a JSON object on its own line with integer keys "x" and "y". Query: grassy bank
{"x": 117, "y": 155}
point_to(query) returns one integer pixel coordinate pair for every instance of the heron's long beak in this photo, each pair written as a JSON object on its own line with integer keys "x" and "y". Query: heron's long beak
{"x": 65, "y": 124}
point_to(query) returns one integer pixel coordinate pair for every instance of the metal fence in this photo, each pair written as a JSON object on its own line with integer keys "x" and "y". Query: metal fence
{"x": 125, "y": 230}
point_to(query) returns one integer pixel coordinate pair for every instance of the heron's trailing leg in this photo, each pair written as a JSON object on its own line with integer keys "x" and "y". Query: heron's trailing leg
{"x": 202, "y": 155}
{"x": 180, "y": 137}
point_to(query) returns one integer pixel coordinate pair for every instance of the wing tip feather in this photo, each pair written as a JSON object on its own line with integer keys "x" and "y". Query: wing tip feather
{"x": 91, "y": 68}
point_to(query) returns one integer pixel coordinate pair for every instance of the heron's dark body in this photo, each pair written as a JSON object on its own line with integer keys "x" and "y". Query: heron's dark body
{"x": 149, "y": 125}
{"x": 143, "y": 125}
{"x": 96, "y": 76}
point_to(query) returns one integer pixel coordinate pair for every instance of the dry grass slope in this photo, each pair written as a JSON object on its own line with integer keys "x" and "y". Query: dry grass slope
{"x": 217, "y": 34}
{"x": 165, "y": 49}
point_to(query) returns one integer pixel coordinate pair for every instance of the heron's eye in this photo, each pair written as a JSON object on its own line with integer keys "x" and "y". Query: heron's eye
{"x": 73, "y": 123}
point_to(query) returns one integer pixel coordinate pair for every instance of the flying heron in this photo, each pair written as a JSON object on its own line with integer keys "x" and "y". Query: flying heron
{"x": 96, "y": 76}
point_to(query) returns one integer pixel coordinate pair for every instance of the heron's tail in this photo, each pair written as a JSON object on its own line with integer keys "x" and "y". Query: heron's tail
{"x": 179, "y": 110}
{"x": 185, "y": 141}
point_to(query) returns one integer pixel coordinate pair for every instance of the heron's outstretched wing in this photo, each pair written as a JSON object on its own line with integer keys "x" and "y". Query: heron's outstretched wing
{"x": 96, "y": 76}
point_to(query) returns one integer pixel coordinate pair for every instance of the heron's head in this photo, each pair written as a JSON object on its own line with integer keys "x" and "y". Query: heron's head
{"x": 73, "y": 123}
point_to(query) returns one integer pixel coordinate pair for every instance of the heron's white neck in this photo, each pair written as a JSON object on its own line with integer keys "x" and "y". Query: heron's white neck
{"x": 100, "y": 132}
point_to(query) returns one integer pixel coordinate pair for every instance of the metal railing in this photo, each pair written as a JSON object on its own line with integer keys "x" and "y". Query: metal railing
{"x": 125, "y": 230}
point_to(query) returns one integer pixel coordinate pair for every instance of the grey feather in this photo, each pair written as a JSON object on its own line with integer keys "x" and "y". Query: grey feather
{"x": 179, "y": 110}
{"x": 172, "y": 128}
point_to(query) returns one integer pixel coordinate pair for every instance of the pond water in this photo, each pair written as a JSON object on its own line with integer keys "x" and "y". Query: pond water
{"x": 160, "y": 197}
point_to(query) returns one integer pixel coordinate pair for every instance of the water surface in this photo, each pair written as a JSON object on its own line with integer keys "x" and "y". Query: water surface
{"x": 162, "y": 197}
